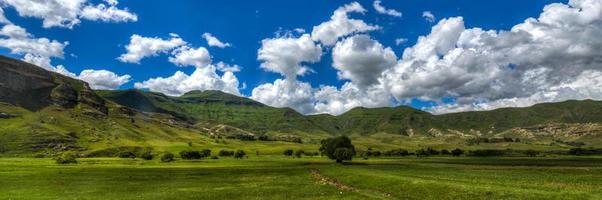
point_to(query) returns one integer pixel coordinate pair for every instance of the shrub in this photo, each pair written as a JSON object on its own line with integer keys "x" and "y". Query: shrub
{"x": 487, "y": 152}
{"x": 288, "y": 152}
{"x": 445, "y": 152}
{"x": 147, "y": 155}
{"x": 167, "y": 157}
{"x": 457, "y": 152}
{"x": 127, "y": 154}
{"x": 298, "y": 153}
{"x": 214, "y": 157}
{"x": 239, "y": 154}
{"x": 66, "y": 158}
{"x": 342, "y": 154}
{"x": 376, "y": 153}
{"x": 397, "y": 152}
{"x": 343, "y": 143}
{"x": 225, "y": 153}
{"x": 432, "y": 151}
{"x": 190, "y": 155}
{"x": 205, "y": 153}
{"x": 531, "y": 153}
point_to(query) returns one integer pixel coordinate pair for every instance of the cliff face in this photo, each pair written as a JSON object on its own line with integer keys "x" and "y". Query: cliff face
{"x": 33, "y": 88}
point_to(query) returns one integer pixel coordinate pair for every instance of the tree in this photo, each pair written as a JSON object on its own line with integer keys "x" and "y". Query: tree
{"x": 127, "y": 154}
{"x": 457, "y": 152}
{"x": 341, "y": 154}
{"x": 167, "y": 157}
{"x": 531, "y": 153}
{"x": 445, "y": 152}
{"x": 288, "y": 152}
{"x": 189, "y": 155}
{"x": 225, "y": 153}
{"x": 147, "y": 155}
{"x": 239, "y": 154}
{"x": 346, "y": 150}
{"x": 66, "y": 158}
{"x": 205, "y": 153}
{"x": 298, "y": 153}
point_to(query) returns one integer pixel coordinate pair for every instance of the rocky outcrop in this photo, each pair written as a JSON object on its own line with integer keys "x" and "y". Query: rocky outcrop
{"x": 33, "y": 88}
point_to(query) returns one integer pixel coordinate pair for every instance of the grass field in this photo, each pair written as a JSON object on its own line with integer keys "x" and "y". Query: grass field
{"x": 276, "y": 177}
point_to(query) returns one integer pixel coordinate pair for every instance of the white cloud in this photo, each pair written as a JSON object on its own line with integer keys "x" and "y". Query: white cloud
{"x": 552, "y": 58}
{"x": 286, "y": 93}
{"x": 141, "y": 47}
{"x": 3, "y": 19}
{"x": 362, "y": 60}
{"x": 103, "y": 79}
{"x": 37, "y": 51}
{"x": 340, "y": 25}
{"x": 223, "y": 67}
{"x": 333, "y": 101}
{"x": 67, "y": 13}
{"x": 186, "y": 56}
{"x": 400, "y": 41}
{"x": 286, "y": 55}
{"x": 428, "y": 16}
{"x": 111, "y": 13}
{"x": 382, "y": 10}
{"x": 212, "y": 41}
{"x": 204, "y": 78}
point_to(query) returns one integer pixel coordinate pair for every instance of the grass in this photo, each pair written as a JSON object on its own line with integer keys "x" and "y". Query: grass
{"x": 277, "y": 177}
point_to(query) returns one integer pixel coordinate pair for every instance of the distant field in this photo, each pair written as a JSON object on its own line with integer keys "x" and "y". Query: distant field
{"x": 276, "y": 177}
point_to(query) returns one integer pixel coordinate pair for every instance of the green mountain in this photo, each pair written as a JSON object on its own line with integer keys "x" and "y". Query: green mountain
{"x": 45, "y": 112}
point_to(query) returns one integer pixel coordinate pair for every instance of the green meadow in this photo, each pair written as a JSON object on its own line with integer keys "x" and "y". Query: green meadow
{"x": 280, "y": 177}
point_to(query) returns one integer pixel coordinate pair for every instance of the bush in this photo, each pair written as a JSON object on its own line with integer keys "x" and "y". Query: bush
{"x": 214, "y": 157}
{"x": 298, "y": 153}
{"x": 457, "y": 152}
{"x": 239, "y": 154}
{"x": 288, "y": 152}
{"x": 531, "y": 153}
{"x": 167, "y": 157}
{"x": 342, "y": 154}
{"x": 397, "y": 152}
{"x": 330, "y": 146}
{"x": 190, "y": 155}
{"x": 445, "y": 152}
{"x": 66, "y": 158}
{"x": 225, "y": 153}
{"x": 127, "y": 154}
{"x": 205, "y": 153}
{"x": 585, "y": 152}
{"x": 487, "y": 152}
{"x": 147, "y": 155}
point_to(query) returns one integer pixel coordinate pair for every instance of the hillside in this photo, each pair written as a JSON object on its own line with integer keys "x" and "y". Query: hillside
{"x": 42, "y": 111}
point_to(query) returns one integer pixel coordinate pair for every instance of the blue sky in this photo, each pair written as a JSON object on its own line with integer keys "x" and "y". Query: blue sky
{"x": 96, "y": 44}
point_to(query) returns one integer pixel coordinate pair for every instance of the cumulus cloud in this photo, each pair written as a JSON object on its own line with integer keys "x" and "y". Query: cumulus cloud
{"x": 186, "y": 56}
{"x": 103, "y": 79}
{"x": 110, "y": 13}
{"x": 204, "y": 78}
{"x": 428, "y": 16}
{"x": 141, "y": 47}
{"x": 382, "y": 10}
{"x": 340, "y": 25}
{"x": 362, "y": 60}
{"x": 67, "y": 13}
{"x": 286, "y": 55}
{"x": 286, "y": 93}
{"x": 37, "y": 51}
{"x": 212, "y": 41}
{"x": 550, "y": 58}
{"x": 329, "y": 99}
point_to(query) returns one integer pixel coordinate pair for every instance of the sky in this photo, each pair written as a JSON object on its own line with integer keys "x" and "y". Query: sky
{"x": 319, "y": 56}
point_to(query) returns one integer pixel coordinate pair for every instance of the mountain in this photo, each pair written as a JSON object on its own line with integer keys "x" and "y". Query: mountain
{"x": 46, "y": 112}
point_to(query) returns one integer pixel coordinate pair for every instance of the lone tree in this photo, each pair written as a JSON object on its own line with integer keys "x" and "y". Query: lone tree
{"x": 338, "y": 148}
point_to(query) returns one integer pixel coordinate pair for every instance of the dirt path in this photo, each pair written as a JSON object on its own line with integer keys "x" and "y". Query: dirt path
{"x": 324, "y": 180}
